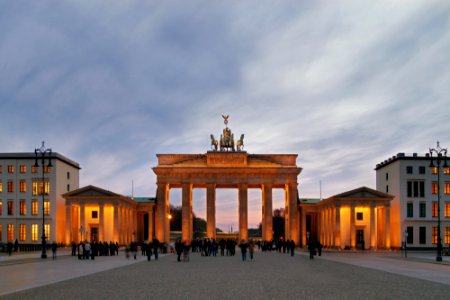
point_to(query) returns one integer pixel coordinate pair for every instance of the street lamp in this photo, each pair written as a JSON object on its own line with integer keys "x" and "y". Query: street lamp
{"x": 43, "y": 153}
{"x": 441, "y": 155}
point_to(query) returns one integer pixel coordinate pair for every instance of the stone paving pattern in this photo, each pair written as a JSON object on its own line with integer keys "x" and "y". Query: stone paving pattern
{"x": 269, "y": 276}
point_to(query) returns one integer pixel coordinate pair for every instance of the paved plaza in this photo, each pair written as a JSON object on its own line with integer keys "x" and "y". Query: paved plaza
{"x": 335, "y": 275}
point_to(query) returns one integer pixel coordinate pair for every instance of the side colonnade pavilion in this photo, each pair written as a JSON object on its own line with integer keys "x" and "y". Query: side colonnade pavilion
{"x": 358, "y": 218}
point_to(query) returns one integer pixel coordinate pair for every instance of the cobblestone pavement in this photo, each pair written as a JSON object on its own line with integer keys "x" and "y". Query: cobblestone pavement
{"x": 269, "y": 276}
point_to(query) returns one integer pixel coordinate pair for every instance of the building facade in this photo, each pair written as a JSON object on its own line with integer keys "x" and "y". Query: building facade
{"x": 21, "y": 201}
{"x": 414, "y": 210}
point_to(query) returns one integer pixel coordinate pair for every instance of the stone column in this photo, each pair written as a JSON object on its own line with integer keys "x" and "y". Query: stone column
{"x": 337, "y": 228}
{"x": 352, "y": 227}
{"x": 304, "y": 233}
{"x": 101, "y": 223}
{"x": 150, "y": 224}
{"x": 116, "y": 224}
{"x": 82, "y": 221}
{"x": 373, "y": 237}
{"x": 387, "y": 210}
{"x": 186, "y": 212}
{"x": 69, "y": 223}
{"x": 293, "y": 233}
{"x": 211, "y": 210}
{"x": 243, "y": 212}
{"x": 267, "y": 226}
{"x": 162, "y": 213}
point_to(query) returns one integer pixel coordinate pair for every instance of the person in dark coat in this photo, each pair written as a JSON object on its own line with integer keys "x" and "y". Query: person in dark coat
{"x": 178, "y": 249}
{"x": 292, "y": 247}
{"x": 319, "y": 248}
{"x": 148, "y": 250}
{"x": 54, "y": 247}
{"x": 156, "y": 247}
{"x": 9, "y": 248}
{"x": 74, "y": 248}
{"x": 243, "y": 245}
{"x": 312, "y": 249}
{"x": 16, "y": 246}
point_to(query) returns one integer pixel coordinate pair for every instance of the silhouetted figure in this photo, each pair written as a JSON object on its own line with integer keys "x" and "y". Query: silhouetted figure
{"x": 243, "y": 245}
{"x": 54, "y": 247}
{"x": 16, "y": 245}
{"x": 156, "y": 247}
{"x": 311, "y": 249}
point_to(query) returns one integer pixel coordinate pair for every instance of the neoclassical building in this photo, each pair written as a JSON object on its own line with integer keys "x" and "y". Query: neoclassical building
{"x": 96, "y": 214}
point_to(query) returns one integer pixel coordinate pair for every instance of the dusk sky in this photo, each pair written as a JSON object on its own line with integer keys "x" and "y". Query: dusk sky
{"x": 109, "y": 84}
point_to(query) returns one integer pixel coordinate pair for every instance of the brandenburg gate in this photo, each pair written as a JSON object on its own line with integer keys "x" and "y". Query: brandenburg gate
{"x": 227, "y": 166}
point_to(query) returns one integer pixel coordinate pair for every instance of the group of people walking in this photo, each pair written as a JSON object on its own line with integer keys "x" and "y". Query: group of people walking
{"x": 87, "y": 250}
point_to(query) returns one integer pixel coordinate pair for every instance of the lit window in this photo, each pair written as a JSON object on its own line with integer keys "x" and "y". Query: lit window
{"x": 447, "y": 209}
{"x": 34, "y": 207}
{"x": 23, "y": 169}
{"x": 23, "y": 207}
{"x": 447, "y": 188}
{"x": 22, "y": 232}
{"x": 434, "y": 188}
{"x": 447, "y": 235}
{"x": 47, "y": 169}
{"x": 409, "y": 210}
{"x": 10, "y": 232}
{"x": 1, "y": 169}
{"x": 46, "y": 207}
{"x": 1, "y": 186}
{"x": 10, "y": 208}
{"x": 37, "y": 188}
{"x": 34, "y": 169}
{"x": 422, "y": 209}
{"x": 447, "y": 170}
{"x": 34, "y": 232}
{"x": 10, "y": 186}
{"x": 47, "y": 231}
{"x": 434, "y": 209}
{"x": 10, "y": 169}
{"x": 1, "y": 207}
{"x": 434, "y": 170}
{"x": 23, "y": 186}
{"x": 434, "y": 235}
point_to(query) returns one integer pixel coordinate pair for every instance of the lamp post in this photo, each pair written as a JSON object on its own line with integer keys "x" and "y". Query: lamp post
{"x": 441, "y": 155}
{"x": 43, "y": 153}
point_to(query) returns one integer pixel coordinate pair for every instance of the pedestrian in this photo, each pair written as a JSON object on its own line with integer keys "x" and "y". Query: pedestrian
{"x": 251, "y": 248}
{"x": 54, "y": 246}
{"x": 16, "y": 246}
{"x": 155, "y": 247}
{"x": 243, "y": 245}
{"x": 148, "y": 251}
{"x": 87, "y": 249}
{"x": 292, "y": 247}
{"x": 9, "y": 247}
{"x": 186, "y": 248}
{"x": 74, "y": 248}
{"x": 319, "y": 248}
{"x": 178, "y": 249}
{"x": 311, "y": 249}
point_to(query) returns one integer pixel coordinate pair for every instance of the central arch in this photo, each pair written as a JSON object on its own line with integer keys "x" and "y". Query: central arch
{"x": 238, "y": 170}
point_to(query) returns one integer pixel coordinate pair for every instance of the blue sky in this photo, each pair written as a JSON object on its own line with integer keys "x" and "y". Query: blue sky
{"x": 344, "y": 84}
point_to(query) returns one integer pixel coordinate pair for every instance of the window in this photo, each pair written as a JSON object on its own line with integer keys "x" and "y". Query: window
{"x": 447, "y": 235}
{"x": 409, "y": 170}
{"x": 68, "y": 187}
{"x": 422, "y": 235}
{"x": 1, "y": 207}
{"x": 10, "y": 207}
{"x": 434, "y": 235}
{"x": 34, "y": 169}
{"x": 446, "y": 170}
{"x": 387, "y": 176}
{"x": 34, "y": 207}
{"x": 421, "y": 170}
{"x": 47, "y": 231}
{"x": 1, "y": 169}
{"x": 434, "y": 187}
{"x": 68, "y": 175}
{"x": 410, "y": 237}
{"x": 47, "y": 169}
{"x": 359, "y": 216}
{"x": 10, "y": 186}
{"x": 10, "y": 232}
{"x": 37, "y": 188}
{"x": 387, "y": 189}
{"x": 1, "y": 186}
{"x": 23, "y": 169}
{"x": 434, "y": 170}
{"x": 1, "y": 232}
{"x": 416, "y": 188}
{"x": 23, "y": 186}
{"x": 94, "y": 214}
{"x": 434, "y": 209}
{"x": 23, "y": 207}
{"x": 447, "y": 188}
{"x": 409, "y": 210}
{"x": 422, "y": 210}
{"x": 34, "y": 232}
{"x": 22, "y": 232}
{"x": 46, "y": 207}
{"x": 447, "y": 209}
{"x": 10, "y": 169}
